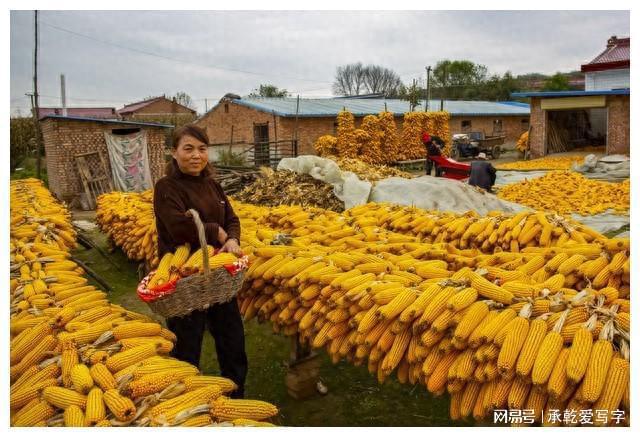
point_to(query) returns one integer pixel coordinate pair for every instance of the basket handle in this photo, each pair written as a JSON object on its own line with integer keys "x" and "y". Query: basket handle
{"x": 203, "y": 240}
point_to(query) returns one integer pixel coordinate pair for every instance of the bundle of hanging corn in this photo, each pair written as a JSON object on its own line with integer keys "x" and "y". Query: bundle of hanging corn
{"x": 372, "y": 152}
{"x": 326, "y": 145}
{"x": 389, "y": 142}
{"x": 523, "y": 142}
{"x": 347, "y": 144}
{"x": 78, "y": 360}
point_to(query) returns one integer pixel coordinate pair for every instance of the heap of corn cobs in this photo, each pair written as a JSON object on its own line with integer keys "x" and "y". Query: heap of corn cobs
{"x": 568, "y": 192}
{"x": 78, "y": 360}
{"x": 527, "y": 312}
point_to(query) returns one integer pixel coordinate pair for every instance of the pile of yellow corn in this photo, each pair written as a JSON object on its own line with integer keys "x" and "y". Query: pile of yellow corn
{"x": 78, "y": 360}
{"x": 543, "y": 329}
{"x": 128, "y": 221}
{"x": 434, "y": 296}
{"x": 377, "y": 142}
{"x": 368, "y": 172}
{"x": 523, "y": 142}
{"x": 566, "y": 192}
{"x": 546, "y": 163}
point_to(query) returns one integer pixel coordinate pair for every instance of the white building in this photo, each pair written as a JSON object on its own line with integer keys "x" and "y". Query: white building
{"x": 611, "y": 68}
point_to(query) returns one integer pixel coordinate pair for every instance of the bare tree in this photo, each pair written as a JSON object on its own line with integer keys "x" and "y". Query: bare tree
{"x": 184, "y": 99}
{"x": 350, "y": 80}
{"x": 382, "y": 80}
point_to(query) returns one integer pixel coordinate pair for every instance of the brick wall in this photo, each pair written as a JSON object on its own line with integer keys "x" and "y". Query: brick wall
{"x": 618, "y": 140}
{"x": 65, "y": 138}
{"x": 512, "y": 126}
{"x": 219, "y": 120}
{"x": 538, "y": 129}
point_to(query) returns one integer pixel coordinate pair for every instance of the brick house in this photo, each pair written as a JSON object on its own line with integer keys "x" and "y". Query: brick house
{"x": 254, "y": 120}
{"x": 65, "y": 137}
{"x": 597, "y": 116}
{"x": 158, "y": 109}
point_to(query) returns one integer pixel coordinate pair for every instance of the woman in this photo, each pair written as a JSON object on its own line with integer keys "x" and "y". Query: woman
{"x": 189, "y": 183}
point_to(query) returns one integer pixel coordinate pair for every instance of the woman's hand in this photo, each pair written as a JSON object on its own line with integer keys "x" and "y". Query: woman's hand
{"x": 231, "y": 246}
{"x": 222, "y": 235}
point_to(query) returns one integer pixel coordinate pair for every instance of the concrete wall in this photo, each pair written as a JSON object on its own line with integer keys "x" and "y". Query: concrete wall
{"x": 65, "y": 138}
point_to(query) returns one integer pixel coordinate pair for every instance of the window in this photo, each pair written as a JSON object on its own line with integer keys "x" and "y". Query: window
{"x": 335, "y": 129}
{"x": 497, "y": 125}
{"x": 125, "y": 131}
{"x": 466, "y": 125}
{"x": 524, "y": 124}
{"x": 226, "y": 108}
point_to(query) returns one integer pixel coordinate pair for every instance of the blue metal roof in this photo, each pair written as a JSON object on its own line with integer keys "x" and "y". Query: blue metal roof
{"x": 619, "y": 92}
{"x": 106, "y": 120}
{"x": 329, "y": 107}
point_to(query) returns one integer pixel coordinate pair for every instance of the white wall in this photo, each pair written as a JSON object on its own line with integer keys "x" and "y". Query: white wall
{"x": 607, "y": 80}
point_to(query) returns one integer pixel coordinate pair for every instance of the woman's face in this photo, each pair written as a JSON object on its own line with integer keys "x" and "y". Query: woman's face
{"x": 191, "y": 155}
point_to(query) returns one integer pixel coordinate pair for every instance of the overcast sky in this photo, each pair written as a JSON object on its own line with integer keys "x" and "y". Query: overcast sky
{"x": 111, "y": 58}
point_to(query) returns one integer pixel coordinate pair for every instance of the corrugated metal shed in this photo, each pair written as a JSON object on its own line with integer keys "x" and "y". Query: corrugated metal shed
{"x": 286, "y": 107}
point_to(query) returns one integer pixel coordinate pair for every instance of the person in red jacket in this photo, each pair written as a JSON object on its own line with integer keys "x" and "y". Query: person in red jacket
{"x": 433, "y": 146}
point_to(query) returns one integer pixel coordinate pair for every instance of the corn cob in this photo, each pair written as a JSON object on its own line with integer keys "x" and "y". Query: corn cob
{"x": 95, "y": 411}
{"x": 224, "y": 408}
{"x": 121, "y": 407}
{"x": 73, "y": 416}
{"x": 63, "y": 397}
{"x": 81, "y": 378}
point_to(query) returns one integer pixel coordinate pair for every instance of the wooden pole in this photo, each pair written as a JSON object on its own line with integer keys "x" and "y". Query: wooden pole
{"x": 275, "y": 127}
{"x": 36, "y": 105}
{"x": 295, "y": 125}
{"x": 231, "y": 140}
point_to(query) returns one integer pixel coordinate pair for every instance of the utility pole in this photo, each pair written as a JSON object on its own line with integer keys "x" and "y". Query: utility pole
{"x": 35, "y": 97}
{"x": 206, "y": 106}
{"x": 445, "y": 81}
{"x": 428, "y": 90}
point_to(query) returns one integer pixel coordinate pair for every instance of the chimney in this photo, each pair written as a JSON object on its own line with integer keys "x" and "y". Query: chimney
{"x": 63, "y": 95}
{"x": 612, "y": 41}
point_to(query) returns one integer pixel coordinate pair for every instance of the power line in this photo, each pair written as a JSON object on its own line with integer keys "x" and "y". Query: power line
{"x": 169, "y": 58}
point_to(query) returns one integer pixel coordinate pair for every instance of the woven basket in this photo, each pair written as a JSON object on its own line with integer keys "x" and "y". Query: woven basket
{"x": 199, "y": 291}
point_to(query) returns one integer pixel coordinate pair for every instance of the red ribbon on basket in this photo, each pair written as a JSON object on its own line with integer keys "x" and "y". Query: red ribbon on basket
{"x": 147, "y": 294}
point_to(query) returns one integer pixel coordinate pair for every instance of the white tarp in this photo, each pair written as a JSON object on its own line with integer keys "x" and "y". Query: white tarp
{"x": 603, "y": 222}
{"x": 429, "y": 192}
{"x": 129, "y": 161}
{"x": 507, "y": 177}
{"x": 612, "y": 167}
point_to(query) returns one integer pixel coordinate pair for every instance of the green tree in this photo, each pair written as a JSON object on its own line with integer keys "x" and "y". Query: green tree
{"x": 557, "y": 82}
{"x": 268, "y": 90}
{"x": 412, "y": 94}
{"x": 458, "y": 79}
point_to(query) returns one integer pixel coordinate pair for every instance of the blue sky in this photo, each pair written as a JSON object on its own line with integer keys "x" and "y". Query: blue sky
{"x": 208, "y": 54}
